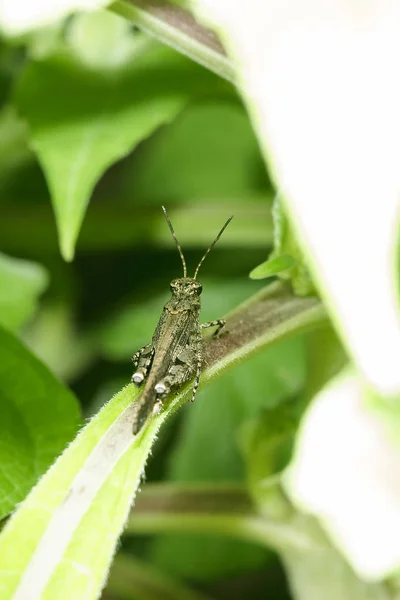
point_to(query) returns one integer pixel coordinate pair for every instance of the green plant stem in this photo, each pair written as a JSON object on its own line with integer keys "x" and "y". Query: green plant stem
{"x": 177, "y": 28}
{"x": 213, "y": 508}
{"x": 251, "y": 528}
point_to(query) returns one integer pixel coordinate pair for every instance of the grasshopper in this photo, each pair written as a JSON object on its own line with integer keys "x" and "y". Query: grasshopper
{"x": 174, "y": 355}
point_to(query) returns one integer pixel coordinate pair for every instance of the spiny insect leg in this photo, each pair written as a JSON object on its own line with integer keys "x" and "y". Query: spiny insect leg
{"x": 181, "y": 371}
{"x": 218, "y": 323}
{"x": 199, "y": 361}
{"x": 142, "y": 361}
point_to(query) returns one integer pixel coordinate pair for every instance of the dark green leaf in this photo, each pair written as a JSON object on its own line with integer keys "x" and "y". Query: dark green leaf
{"x": 39, "y": 416}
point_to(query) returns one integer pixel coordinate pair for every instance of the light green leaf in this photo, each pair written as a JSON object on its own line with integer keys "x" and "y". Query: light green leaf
{"x": 95, "y": 118}
{"x": 60, "y": 542}
{"x": 100, "y": 39}
{"x": 21, "y": 282}
{"x": 38, "y": 418}
{"x": 273, "y": 266}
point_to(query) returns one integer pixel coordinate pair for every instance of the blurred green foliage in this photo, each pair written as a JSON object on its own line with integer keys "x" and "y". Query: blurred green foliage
{"x": 126, "y": 124}
{"x": 38, "y": 417}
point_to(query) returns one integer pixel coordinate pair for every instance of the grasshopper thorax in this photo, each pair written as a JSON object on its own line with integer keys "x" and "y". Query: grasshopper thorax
{"x": 185, "y": 286}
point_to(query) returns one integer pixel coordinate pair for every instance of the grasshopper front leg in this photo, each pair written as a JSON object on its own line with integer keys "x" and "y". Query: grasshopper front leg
{"x": 218, "y": 323}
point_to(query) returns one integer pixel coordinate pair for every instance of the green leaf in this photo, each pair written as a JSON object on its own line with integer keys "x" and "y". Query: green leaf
{"x": 101, "y": 39}
{"x": 216, "y": 151}
{"x": 21, "y": 282}
{"x": 82, "y": 120}
{"x": 273, "y": 266}
{"x": 60, "y": 542}
{"x": 38, "y": 418}
{"x": 326, "y": 357}
{"x": 14, "y": 151}
{"x": 286, "y": 245}
{"x": 54, "y": 338}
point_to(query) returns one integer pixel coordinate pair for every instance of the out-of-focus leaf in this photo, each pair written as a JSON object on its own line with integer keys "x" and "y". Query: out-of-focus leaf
{"x": 273, "y": 266}
{"x": 202, "y": 557}
{"x": 14, "y": 151}
{"x": 326, "y": 357}
{"x": 21, "y": 282}
{"x": 207, "y": 450}
{"x": 101, "y": 40}
{"x": 53, "y": 337}
{"x": 96, "y": 117}
{"x": 216, "y": 151}
{"x": 286, "y": 247}
{"x": 39, "y": 416}
{"x": 131, "y": 579}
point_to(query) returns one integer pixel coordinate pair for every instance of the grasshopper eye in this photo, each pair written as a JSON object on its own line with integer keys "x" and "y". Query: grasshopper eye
{"x": 199, "y": 289}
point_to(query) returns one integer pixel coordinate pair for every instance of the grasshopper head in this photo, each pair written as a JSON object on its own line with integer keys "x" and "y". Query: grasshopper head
{"x": 185, "y": 286}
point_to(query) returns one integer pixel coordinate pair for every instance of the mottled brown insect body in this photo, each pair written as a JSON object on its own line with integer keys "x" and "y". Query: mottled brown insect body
{"x": 174, "y": 356}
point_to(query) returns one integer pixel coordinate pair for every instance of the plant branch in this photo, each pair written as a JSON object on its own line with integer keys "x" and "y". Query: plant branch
{"x": 177, "y": 28}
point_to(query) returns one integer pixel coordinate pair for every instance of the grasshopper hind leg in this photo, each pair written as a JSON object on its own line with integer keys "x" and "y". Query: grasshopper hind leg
{"x": 181, "y": 371}
{"x": 142, "y": 361}
{"x": 187, "y": 364}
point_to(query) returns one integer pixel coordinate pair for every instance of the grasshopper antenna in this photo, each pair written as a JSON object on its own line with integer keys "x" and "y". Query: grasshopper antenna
{"x": 212, "y": 246}
{"x": 176, "y": 241}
